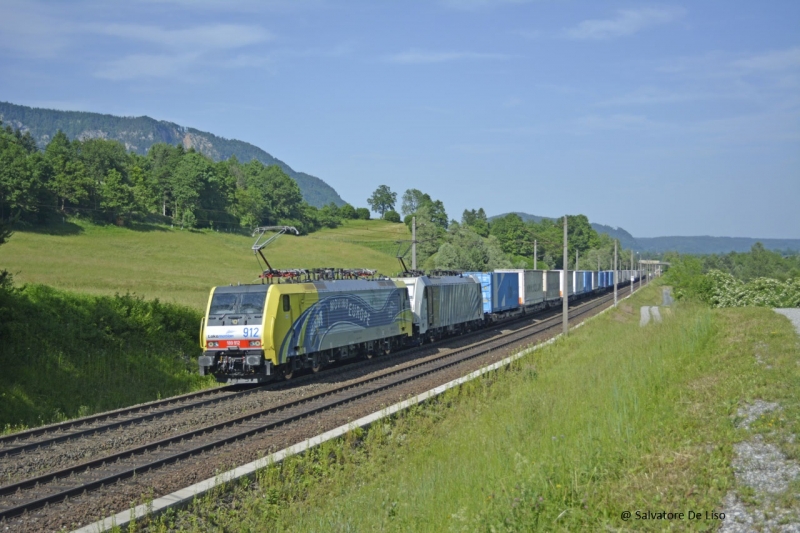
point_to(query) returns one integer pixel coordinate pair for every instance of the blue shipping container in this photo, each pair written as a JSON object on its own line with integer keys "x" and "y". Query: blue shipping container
{"x": 587, "y": 281}
{"x": 499, "y": 290}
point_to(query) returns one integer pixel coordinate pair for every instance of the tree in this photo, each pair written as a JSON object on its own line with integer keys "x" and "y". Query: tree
{"x": 68, "y": 179}
{"x": 392, "y": 216}
{"x": 513, "y": 235}
{"x": 476, "y": 220}
{"x": 413, "y": 199}
{"x": 430, "y": 235}
{"x": 164, "y": 159}
{"x": 329, "y": 215}
{"x": 382, "y": 200}
{"x": 146, "y": 196}
{"x": 363, "y": 213}
{"x": 19, "y": 187}
{"x": 116, "y": 197}
{"x": 185, "y": 183}
{"x": 99, "y": 157}
{"x": 467, "y": 251}
{"x": 348, "y": 212}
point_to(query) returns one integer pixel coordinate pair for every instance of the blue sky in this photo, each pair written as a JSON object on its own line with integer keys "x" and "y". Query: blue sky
{"x": 678, "y": 118}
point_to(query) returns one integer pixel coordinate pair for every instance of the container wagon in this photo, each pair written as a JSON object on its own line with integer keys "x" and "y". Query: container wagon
{"x": 531, "y": 288}
{"x": 443, "y": 305}
{"x": 577, "y": 283}
{"x": 570, "y": 287}
{"x": 552, "y": 292}
{"x": 499, "y": 292}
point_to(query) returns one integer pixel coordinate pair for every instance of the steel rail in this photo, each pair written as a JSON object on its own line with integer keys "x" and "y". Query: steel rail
{"x": 70, "y": 424}
{"x": 121, "y": 423}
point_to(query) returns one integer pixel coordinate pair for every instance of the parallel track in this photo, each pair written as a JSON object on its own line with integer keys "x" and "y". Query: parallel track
{"x": 28, "y": 440}
{"x": 36, "y": 492}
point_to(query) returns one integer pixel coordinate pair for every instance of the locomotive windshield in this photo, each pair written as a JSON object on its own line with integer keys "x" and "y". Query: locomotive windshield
{"x": 249, "y": 301}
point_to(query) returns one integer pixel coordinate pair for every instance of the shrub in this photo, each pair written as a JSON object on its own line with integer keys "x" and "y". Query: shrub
{"x": 363, "y": 213}
{"x": 65, "y": 355}
{"x": 392, "y": 216}
{"x": 347, "y": 211}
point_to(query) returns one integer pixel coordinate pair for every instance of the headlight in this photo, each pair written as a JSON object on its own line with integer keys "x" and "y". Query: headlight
{"x": 255, "y": 343}
{"x": 213, "y": 344}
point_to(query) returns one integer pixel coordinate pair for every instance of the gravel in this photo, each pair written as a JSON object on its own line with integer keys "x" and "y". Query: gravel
{"x": 792, "y": 314}
{"x": 763, "y": 466}
{"x": 751, "y": 413}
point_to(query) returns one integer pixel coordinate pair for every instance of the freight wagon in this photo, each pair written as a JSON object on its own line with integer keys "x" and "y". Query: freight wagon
{"x": 443, "y": 305}
{"x": 552, "y": 285}
{"x": 570, "y": 287}
{"x": 531, "y": 288}
{"x": 499, "y": 292}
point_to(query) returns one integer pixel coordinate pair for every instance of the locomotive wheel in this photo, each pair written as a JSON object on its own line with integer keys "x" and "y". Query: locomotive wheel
{"x": 316, "y": 365}
{"x": 287, "y": 374}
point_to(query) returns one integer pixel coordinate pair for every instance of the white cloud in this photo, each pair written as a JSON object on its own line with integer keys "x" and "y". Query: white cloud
{"x": 217, "y": 36}
{"x": 137, "y": 66}
{"x": 774, "y": 61}
{"x": 616, "y": 122}
{"x": 655, "y": 96}
{"x": 32, "y": 30}
{"x": 417, "y": 57}
{"x": 627, "y": 22}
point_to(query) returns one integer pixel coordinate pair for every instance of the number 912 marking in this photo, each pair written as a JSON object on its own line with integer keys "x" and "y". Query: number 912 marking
{"x": 250, "y": 333}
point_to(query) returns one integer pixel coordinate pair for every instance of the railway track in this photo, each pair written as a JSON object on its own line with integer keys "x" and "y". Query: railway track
{"x": 33, "y": 439}
{"x": 58, "y": 485}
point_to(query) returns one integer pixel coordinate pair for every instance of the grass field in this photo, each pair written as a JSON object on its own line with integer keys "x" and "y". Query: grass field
{"x": 181, "y": 266}
{"x": 615, "y": 418}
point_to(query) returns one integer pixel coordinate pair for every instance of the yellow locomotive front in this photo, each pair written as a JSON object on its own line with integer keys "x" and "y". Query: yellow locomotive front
{"x": 252, "y": 332}
{"x": 232, "y": 333}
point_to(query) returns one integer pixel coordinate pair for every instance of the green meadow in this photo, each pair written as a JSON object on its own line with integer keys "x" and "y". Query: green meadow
{"x": 613, "y": 418}
{"x": 103, "y": 317}
{"x": 180, "y": 266}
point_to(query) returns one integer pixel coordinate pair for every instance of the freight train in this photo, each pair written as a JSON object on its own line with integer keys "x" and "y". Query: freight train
{"x": 255, "y": 333}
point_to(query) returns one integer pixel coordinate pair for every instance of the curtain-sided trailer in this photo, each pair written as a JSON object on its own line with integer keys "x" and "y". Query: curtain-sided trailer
{"x": 570, "y": 287}
{"x": 531, "y": 288}
{"x": 582, "y": 281}
{"x": 552, "y": 287}
{"x": 443, "y": 305}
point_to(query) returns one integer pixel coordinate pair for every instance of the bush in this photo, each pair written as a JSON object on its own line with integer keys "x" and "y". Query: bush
{"x": 363, "y": 213}
{"x": 65, "y": 355}
{"x": 723, "y": 290}
{"x": 348, "y": 212}
{"x": 392, "y": 216}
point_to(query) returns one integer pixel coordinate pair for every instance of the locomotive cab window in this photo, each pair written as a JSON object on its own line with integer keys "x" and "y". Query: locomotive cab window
{"x": 252, "y": 302}
{"x": 223, "y": 303}
{"x": 287, "y": 305}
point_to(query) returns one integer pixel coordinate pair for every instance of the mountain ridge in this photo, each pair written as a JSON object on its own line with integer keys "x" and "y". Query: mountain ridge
{"x": 700, "y": 244}
{"x": 138, "y": 134}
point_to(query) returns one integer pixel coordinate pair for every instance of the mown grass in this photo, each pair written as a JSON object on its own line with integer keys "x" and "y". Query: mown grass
{"x": 615, "y": 418}
{"x": 65, "y": 355}
{"x": 181, "y": 266}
